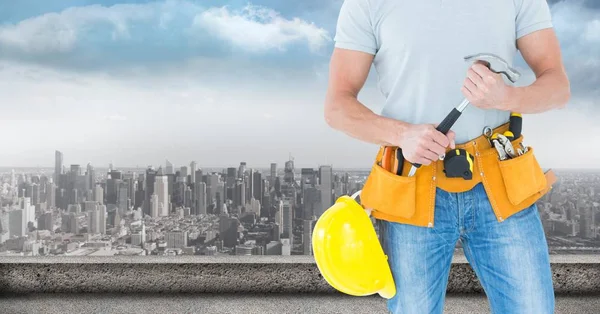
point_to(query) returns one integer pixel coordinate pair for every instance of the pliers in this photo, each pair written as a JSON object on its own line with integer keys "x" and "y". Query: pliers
{"x": 503, "y": 146}
{"x": 508, "y": 148}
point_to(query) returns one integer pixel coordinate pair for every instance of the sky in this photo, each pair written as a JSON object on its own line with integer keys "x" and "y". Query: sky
{"x": 220, "y": 82}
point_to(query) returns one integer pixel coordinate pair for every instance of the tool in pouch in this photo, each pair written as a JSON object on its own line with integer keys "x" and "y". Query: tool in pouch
{"x": 503, "y": 142}
{"x": 458, "y": 164}
{"x": 496, "y": 65}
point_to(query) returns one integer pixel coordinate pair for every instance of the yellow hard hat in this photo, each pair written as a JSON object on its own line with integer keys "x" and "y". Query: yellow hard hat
{"x": 348, "y": 253}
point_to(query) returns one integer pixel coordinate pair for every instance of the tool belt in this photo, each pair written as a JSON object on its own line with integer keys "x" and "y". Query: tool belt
{"x": 511, "y": 185}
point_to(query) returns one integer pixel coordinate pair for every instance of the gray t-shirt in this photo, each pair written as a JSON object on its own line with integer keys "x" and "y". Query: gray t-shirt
{"x": 419, "y": 46}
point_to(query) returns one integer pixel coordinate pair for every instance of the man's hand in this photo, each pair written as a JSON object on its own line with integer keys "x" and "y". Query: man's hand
{"x": 551, "y": 89}
{"x": 422, "y": 143}
{"x": 486, "y": 89}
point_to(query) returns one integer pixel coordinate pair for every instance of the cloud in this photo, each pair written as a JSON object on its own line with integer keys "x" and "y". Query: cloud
{"x": 577, "y": 25}
{"x": 102, "y": 38}
{"x": 258, "y": 29}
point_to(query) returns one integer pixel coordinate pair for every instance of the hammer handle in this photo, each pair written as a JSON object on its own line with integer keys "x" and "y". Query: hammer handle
{"x": 446, "y": 125}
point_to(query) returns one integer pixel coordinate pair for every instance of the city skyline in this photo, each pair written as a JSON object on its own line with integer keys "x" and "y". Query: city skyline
{"x": 141, "y": 81}
{"x": 237, "y": 210}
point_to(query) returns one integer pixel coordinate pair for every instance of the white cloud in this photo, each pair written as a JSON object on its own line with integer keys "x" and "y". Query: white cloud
{"x": 60, "y": 32}
{"x": 253, "y": 28}
{"x": 259, "y": 29}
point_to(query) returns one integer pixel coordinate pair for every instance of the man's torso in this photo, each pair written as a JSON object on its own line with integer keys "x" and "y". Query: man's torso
{"x": 421, "y": 46}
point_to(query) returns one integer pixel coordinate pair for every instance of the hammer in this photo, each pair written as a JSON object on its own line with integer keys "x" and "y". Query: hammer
{"x": 496, "y": 65}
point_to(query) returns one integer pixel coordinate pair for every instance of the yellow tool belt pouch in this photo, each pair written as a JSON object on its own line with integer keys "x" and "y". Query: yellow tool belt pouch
{"x": 511, "y": 185}
{"x": 399, "y": 198}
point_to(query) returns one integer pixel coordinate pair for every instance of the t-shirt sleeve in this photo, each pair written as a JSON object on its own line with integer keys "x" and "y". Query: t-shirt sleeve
{"x": 354, "y": 29}
{"x": 532, "y": 15}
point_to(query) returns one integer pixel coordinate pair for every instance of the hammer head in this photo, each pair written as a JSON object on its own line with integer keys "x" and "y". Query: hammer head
{"x": 496, "y": 65}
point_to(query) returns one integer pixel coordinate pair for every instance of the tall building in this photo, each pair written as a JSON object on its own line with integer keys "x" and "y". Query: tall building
{"x": 212, "y": 187}
{"x": 288, "y": 217}
{"x": 99, "y": 194}
{"x": 183, "y": 173}
{"x": 169, "y": 169}
{"x": 28, "y": 210}
{"x": 193, "y": 165}
{"x": 273, "y": 174}
{"x": 138, "y": 233}
{"x": 279, "y": 213}
{"x": 91, "y": 174}
{"x": 46, "y": 222}
{"x": 326, "y": 186}
{"x": 253, "y": 207}
{"x": 51, "y": 195}
{"x": 17, "y": 223}
{"x": 149, "y": 190}
{"x": 307, "y": 229}
{"x": 123, "y": 198}
{"x": 4, "y": 225}
{"x": 242, "y": 169}
{"x": 97, "y": 219}
{"x": 58, "y": 166}
{"x": 155, "y": 205}
{"x": 200, "y": 193}
{"x": 228, "y": 230}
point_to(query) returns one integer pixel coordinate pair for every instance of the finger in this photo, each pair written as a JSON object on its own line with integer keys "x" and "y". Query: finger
{"x": 467, "y": 93}
{"x": 439, "y": 137}
{"x": 472, "y": 87}
{"x": 476, "y": 79}
{"x": 436, "y": 148}
{"x": 429, "y": 155}
{"x": 451, "y": 136}
{"x": 484, "y": 72}
{"x": 481, "y": 69}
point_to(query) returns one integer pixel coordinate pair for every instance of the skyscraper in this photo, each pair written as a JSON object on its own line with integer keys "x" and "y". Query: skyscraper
{"x": 149, "y": 190}
{"x": 193, "y": 172}
{"x": 123, "y": 198}
{"x": 183, "y": 173}
{"x": 99, "y": 194}
{"x": 51, "y": 195}
{"x": 326, "y": 186}
{"x": 273, "y": 173}
{"x": 307, "y": 237}
{"x": 58, "y": 166}
{"x": 288, "y": 217}
{"x": 91, "y": 174}
{"x": 161, "y": 189}
{"x": 155, "y": 205}
{"x": 242, "y": 169}
{"x": 200, "y": 193}
{"x": 169, "y": 169}
{"x": 97, "y": 219}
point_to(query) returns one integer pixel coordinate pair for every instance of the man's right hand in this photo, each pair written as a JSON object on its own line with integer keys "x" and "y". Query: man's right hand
{"x": 423, "y": 144}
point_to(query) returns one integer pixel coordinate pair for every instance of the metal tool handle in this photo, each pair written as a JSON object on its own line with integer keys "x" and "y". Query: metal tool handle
{"x": 445, "y": 126}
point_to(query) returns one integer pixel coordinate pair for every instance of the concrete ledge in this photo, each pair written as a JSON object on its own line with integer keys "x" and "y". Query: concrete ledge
{"x": 572, "y": 274}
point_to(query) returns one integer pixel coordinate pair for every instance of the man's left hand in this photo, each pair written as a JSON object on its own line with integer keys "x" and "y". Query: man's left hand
{"x": 486, "y": 89}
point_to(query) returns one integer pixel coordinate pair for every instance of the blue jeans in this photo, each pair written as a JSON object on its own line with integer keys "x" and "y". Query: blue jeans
{"x": 510, "y": 258}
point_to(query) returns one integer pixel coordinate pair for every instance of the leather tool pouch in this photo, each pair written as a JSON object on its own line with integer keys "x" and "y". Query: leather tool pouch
{"x": 387, "y": 192}
{"x": 513, "y": 184}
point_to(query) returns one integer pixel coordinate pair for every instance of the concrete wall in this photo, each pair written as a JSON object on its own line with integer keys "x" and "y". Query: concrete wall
{"x": 572, "y": 274}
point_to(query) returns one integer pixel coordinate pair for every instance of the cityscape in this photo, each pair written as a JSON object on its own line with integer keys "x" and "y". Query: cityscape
{"x": 190, "y": 210}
